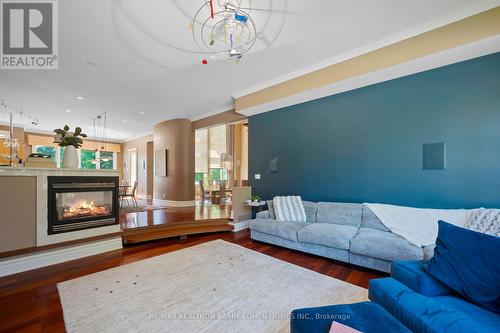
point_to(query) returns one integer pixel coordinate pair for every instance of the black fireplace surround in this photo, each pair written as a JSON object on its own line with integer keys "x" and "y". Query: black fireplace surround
{"x": 78, "y": 203}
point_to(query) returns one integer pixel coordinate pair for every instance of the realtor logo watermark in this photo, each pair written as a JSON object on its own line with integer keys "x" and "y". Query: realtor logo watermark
{"x": 29, "y": 34}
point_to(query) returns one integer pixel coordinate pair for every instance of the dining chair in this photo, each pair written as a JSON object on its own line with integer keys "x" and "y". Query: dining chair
{"x": 205, "y": 196}
{"x": 129, "y": 195}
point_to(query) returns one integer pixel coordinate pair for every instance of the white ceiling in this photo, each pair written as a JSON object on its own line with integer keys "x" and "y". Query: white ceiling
{"x": 143, "y": 59}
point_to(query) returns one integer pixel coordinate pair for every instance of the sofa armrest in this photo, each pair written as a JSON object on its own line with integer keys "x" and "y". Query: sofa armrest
{"x": 263, "y": 215}
{"x": 413, "y": 274}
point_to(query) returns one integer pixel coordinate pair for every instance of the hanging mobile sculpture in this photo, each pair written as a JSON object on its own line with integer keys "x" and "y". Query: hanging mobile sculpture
{"x": 223, "y": 29}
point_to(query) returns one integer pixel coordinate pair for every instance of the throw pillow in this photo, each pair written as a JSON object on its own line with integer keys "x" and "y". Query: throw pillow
{"x": 270, "y": 208}
{"x": 467, "y": 262}
{"x": 484, "y": 220}
{"x": 340, "y": 328}
{"x": 289, "y": 208}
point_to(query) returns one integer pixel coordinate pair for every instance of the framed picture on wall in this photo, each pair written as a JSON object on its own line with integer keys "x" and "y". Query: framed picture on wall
{"x": 161, "y": 163}
{"x": 273, "y": 164}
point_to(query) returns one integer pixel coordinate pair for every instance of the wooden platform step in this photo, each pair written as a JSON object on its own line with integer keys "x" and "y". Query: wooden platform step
{"x": 137, "y": 235}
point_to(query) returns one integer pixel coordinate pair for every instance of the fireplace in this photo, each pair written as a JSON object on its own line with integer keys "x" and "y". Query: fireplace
{"x": 78, "y": 203}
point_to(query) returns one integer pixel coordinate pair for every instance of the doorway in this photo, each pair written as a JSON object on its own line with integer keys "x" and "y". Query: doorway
{"x": 132, "y": 171}
{"x": 221, "y": 162}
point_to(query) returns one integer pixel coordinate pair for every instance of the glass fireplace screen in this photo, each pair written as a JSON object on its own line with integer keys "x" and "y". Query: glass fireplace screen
{"x": 80, "y": 205}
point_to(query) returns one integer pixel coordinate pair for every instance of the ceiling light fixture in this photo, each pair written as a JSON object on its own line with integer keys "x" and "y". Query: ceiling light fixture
{"x": 80, "y": 98}
{"x": 223, "y": 29}
{"x": 68, "y": 110}
{"x": 124, "y": 121}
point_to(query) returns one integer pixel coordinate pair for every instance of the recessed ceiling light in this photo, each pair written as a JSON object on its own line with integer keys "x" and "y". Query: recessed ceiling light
{"x": 68, "y": 110}
{"x": 142, "y": 113}
{"x": 124, "y": 121}
{"x": 80, "y": 98}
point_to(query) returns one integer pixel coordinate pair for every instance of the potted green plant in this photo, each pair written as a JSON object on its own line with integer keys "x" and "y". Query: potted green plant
{"x": 71, "y": 141}
{"x": 255, "y": 198}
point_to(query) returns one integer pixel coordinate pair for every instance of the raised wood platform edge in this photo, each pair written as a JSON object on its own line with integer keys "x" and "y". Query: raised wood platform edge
{"x": 138, "y": 235}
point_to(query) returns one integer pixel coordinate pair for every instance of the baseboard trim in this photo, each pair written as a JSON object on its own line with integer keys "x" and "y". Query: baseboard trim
{"x": 28, "y": 262}
{"x": 240, "y": 226}
{"x": 173, "y": 203}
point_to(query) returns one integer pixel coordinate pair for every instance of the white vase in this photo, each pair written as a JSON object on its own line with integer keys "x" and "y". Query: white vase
{"x": 70, "y": 159}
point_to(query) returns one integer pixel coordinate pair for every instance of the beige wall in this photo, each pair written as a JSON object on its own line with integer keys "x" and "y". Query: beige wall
{"x": 17, "y": 225}
{"x": 177, "y": 136}
{"x": 240, "y": 153}
{"x": 244, "y": 153}
{"x": 18, "y": 131}
{"x": 140, "y": 145}
{"x": 37, "y": 139}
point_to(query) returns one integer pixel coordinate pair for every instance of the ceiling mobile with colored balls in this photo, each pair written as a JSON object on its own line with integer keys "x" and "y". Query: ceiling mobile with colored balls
{"x": 224, "y": 29}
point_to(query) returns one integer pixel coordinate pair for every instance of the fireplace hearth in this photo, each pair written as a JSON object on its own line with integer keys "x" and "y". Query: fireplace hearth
{"x": 78, "y": 203}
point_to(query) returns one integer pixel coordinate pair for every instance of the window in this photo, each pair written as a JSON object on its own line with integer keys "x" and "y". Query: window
{"x": 201, "y": 151}
{"x": 107, "y": 158}
{"x": 49, "y": 150}
{"x": 199, "y": 176}
{"x": 61, "y": 157}
{"x": 86, "y": 159}
{"x": 216, "y": 145}
{"x": 85, "y": 156}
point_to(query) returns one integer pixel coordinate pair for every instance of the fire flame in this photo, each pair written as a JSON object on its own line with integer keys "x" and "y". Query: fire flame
{"x": 84, "y": 208}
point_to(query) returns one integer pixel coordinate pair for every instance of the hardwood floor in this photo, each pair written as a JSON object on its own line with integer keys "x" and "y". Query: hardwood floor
{"x": 29, "y": 301}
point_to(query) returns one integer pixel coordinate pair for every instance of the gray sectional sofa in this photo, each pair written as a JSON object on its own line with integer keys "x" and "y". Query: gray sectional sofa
{"x": 346, "y": 232}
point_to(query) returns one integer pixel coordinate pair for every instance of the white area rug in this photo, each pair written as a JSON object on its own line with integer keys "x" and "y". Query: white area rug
{"x": 213, "y": 287}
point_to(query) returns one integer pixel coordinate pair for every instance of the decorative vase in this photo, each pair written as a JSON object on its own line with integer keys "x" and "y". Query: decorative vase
{"x": 70, "y": 159}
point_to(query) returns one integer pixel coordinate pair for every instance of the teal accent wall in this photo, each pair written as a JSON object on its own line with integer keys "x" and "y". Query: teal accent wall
{"x": 366, "y": 145}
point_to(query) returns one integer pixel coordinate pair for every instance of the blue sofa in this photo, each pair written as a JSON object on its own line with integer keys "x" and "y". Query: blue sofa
{"x": 366, "y": 317}
{"x": 423, "y": 304}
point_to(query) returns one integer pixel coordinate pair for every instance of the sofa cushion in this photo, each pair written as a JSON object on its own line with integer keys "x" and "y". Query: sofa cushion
{"x": 431, "y": 314}
{"x": 264, "y": 215}
{"x": 286, "y": 230}
{"x": 370, "y": 220}
{"x": 414, "y": 275}
{"x": 339, "y": 213}
{"x": 311, "y": 209}
{"x": 384, "y": 245}
{"x": 331, "y": 235}
{"x": 467, "y": 262}
{"x": 360, "y": 316}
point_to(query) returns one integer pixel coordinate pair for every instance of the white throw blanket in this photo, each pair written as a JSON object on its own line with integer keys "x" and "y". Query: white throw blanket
{"x": 289, "y": 208}
{"x": 417, "y": 225}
